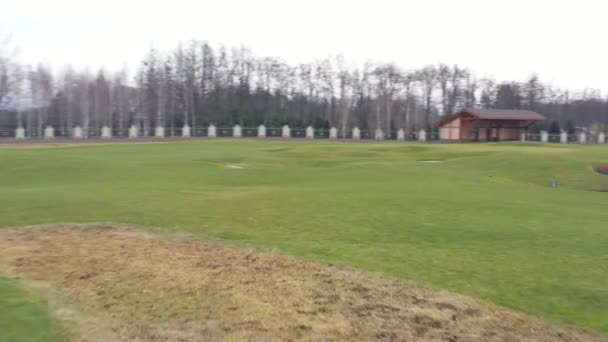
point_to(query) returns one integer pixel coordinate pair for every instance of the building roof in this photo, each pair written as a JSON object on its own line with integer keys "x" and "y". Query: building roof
{"x": 504, "y": 114}
{"x": 496, "y": 114}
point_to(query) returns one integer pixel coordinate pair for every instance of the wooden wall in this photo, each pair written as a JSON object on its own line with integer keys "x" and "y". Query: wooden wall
{"x": 488, "y": 130}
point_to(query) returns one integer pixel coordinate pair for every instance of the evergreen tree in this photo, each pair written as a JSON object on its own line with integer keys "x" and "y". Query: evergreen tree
{"x": 570, "y": 127}
{"x": 555, "y": 128}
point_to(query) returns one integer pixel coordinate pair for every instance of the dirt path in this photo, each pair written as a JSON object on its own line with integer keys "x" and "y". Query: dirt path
{"x": 60, "y": 143}
{"x": 603, "y": 169}
{"x": 109, "y": 282}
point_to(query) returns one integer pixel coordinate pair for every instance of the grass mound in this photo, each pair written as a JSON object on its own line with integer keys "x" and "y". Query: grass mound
{"x": 156, "y": 287}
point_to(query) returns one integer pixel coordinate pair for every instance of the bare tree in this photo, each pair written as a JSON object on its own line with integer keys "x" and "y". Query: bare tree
{"x": 389, "y": 81}
{"x": 41, "y": 86}
{"x": 326, "y": 76}
{"x": 11, "y": 74}
{"x": 488, "y": 93}
{"x": 84, "y": 97}
{"x": 408, "y": 80}
{"x": 120, "y": 98}
{"x": 534, "y": 92}
{"x": 470, "y": 92}
{"x": 67, "y": 92}
{"x": 443, "y": 76}
{"x": 199, "y": 84}
{"x": 450, "y": 81}
{"x": 207, "y": 83}
{"x": 345, "y": 84}
{"x": 102, "y": 107}
{"x": 428, "y": 79}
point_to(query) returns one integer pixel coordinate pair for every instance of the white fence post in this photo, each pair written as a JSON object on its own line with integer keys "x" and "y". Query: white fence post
{"x": 356, "y": 133}
{"x": 106, "y": 133}
{"x": 133, "y": 131}
{"x": 333, "y": 133}
{"x": 544, "y": 136}
{"x": 49, "y": 132}
{"x": 310, "y": 132}
{"x": 582, "y": 138}
{"x": 20, "y": 133}
{"x": 401, "y": 135}
{"x": 422, "y": 135}
{"x": 563, "y": 137}
{"x": 211, "y": 132}
{"x": 236, "y": 131}
{"x": 77, "y": 132}
{"x": 378, "y": 135}
{"x": 261, "y": 131}
{"x": 186, "y": 131}
{"x": 159, "y": 131}
{"x": 286, "y": 132}
{"x": 601, "y": 138}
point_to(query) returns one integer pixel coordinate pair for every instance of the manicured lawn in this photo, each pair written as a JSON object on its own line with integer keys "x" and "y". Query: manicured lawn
{"x": 24, "y": 318}
{"x": 484, "y": 222}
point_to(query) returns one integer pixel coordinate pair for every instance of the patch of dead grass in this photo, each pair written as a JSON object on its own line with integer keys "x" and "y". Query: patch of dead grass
{"x": 112, "y": 282}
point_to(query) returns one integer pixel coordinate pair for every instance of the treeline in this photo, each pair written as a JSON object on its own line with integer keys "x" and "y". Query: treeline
{"x": 198, "y": 84}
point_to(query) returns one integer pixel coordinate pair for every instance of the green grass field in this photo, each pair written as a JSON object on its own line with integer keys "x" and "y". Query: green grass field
{"x": 24, "y": 318}
{"x": 483, "y": 223}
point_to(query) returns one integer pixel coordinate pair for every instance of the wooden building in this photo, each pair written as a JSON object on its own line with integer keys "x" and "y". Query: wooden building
{"x": 487, "y": 124}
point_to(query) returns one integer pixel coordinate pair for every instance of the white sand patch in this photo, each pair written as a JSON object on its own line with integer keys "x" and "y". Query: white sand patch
{"x": 232, "y": 166}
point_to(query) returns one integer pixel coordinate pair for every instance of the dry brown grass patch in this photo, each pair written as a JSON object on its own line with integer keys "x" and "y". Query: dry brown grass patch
{"x": 133, "y": 285}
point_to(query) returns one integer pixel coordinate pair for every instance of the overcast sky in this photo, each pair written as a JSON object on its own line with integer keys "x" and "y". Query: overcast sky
{"x": 564, "y": 41}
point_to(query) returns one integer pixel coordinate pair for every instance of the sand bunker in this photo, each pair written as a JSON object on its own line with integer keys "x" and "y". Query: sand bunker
{"x": 235, "y": 166}
{"x": 431, "y": 161}
{"x": 109, "y": 282}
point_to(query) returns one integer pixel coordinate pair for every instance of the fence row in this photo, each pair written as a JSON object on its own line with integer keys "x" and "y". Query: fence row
{"x": 271, "y": 132}
{"x": 565, "y": 138}
{"x": 212, "y": 132}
